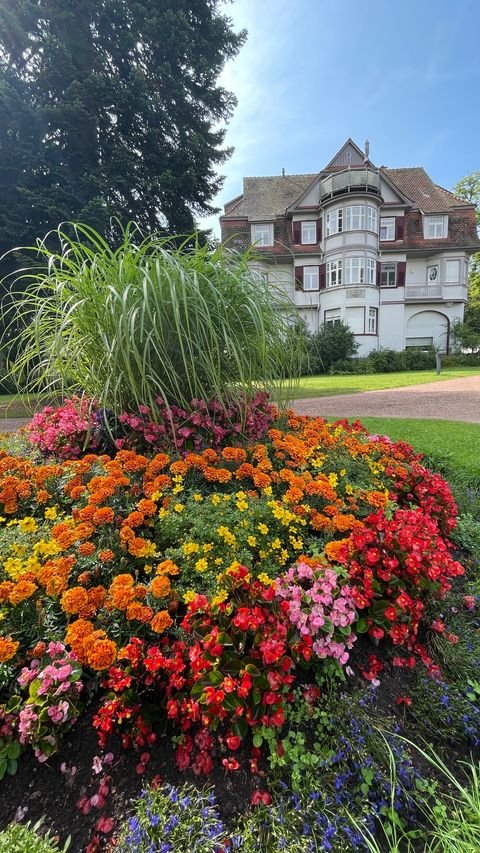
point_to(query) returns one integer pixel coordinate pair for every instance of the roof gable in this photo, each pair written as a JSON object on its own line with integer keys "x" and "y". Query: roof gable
{"x": 348, "y": 155}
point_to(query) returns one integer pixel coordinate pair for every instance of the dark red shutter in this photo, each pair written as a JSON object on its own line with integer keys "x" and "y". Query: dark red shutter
{"x": 379, "y": 270}
{"x": 322, "y": 276}
{"x": 319, "y": 230}
{"x": 297, "y": 233}
{"x": 401, "y": 270}
{"x": 298, "y": 278}
{"x": 399, "y": 221}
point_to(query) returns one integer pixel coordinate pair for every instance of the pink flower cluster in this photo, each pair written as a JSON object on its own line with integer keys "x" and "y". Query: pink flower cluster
{"x": 64, "y": 432}
{"x": 320, "y": 608}
{"x": 52, "y": 706}
{"x": 207, "y": 423}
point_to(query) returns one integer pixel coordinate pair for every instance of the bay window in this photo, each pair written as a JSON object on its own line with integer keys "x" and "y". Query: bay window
{"x": 334, "y": 273}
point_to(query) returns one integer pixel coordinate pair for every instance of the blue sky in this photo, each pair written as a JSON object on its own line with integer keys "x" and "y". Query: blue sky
{"x": 405, "y": 76}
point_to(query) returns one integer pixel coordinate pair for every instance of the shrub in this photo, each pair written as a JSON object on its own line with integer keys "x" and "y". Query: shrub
{"x": 330, "y": 344}
{"x": 146, "y": 320}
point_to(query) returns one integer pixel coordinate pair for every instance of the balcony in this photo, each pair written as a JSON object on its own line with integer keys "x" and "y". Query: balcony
{"x": 350, "y": 181}
{"x": 423, "y": 292}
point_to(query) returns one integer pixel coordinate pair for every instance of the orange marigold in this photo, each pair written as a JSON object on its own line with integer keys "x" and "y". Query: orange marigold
{"x": 74, "y": 600}
{"x": 104, "y": 515}
{"x": 140, "y": 612}
{"x": 161, "y": 621}
{"x": 22, "y": 590}
{"x": 6, "y": 588}
{"x": 134, "y": 519}
{"x": 8, "y": 648}
{"x": 106, "y": 555}
{"x": 147, "y": 507}
{"x": 167, "y": 567}
{"x": 217, "y": 475}
{"x": 102, "y": 654}
{"x": 160, "y": 586}
{"x": 234, "y": 454}
{"x": 179, "y": 467}
{"x": 85, "y": 549}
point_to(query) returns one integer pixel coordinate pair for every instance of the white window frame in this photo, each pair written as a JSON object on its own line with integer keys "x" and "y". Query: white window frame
{"x": 448, "y": 276}
{"x": 307, "y": 225}
{"x": 387, "y": 228}
{"x": 262, "y": 234}
{"x": 355, "y": 216}
{"x": 433, "y": 278}
{"x": 392, "y": 271}
{"x": 332, "y": 317}
{"x": 311, "y": 278}
{"x": 334, "y": 221}
{"x": 372, "y": 219}
{"x": 435, "y": 227}
{"x": 372, "y": 320}
{"x": 334, "y": 274}
{"x": 354, "y": 271}
{"x": 370, "y": 271}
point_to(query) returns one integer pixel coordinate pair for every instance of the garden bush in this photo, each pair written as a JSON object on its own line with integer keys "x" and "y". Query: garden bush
{"x": 332, "y": 343}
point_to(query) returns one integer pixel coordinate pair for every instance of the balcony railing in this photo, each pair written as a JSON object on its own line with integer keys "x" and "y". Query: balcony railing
{"x": 424, "y": 291}
{"x": 352, "y": 180}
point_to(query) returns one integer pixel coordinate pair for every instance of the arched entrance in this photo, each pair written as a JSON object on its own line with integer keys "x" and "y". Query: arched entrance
{"x": 428, "y": 328}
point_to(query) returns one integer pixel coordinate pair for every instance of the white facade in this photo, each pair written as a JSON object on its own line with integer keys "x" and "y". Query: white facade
{"x": 384, "y": 251}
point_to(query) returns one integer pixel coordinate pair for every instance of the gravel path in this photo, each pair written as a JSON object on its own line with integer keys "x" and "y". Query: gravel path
{"x": 450, "y": 399}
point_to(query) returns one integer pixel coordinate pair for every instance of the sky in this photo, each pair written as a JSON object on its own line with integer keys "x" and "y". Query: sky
{"x": 405, "y": 76}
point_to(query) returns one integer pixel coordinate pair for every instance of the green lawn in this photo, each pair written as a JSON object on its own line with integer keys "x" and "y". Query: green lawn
{"x": 325, "y": 386}
{"x": 455, "y": 442}
{"x": 17, "y": 406}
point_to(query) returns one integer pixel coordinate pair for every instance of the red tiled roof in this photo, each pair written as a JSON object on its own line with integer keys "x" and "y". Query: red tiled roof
{"x": 419, "y": 187}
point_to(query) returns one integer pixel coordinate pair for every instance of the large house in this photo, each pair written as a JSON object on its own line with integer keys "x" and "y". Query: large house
{"x": 385, "y": 251}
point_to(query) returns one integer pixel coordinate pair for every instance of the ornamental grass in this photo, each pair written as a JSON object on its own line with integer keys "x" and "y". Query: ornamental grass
{"x": 148, "y": 323}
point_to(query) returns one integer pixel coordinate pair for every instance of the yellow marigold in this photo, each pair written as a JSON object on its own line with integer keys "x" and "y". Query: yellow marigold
{"x": 140, "y": 612}
{"x": 74, "y": 600}
{"x": 22, "y": 590}
{"x": 139, "y": 547}
{"x": 28, "y": 525}
{"x": 13, "y": 567}
{"x": 8, "y": 648}
{"x": 51, "y": 513}
{"x": 102, "y": 654}
{"x": 160, "y": 586}
{"x": 161, "y": 621}
{"x": 189, "y": 596}
{"x": 201, "y": 565}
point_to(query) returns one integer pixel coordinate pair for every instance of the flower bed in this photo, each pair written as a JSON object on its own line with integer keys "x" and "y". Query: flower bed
{"x": 195, "y": 589}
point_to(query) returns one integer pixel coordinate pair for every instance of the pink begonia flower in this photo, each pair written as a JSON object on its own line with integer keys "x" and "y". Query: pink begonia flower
{"x": 97, "y": 765}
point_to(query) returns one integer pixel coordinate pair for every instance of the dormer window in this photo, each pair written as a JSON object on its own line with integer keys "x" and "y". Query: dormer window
{"x": 435, "y": 227}
{"x": 309, "y": 233}
{"x": 262, "y": 234}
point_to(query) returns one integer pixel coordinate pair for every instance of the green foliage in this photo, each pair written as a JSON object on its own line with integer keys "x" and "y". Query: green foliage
{"x": 466, "y": 335}
{"x": 117, "y": 112}
{"x": 18, "y": 838}
{"x": 327, "y": 346}
{"x": 387, "y": 361}
{"x": 147, "y": 320}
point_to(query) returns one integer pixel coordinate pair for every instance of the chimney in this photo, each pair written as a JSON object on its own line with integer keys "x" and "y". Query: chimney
{"x": 367, "y": 150}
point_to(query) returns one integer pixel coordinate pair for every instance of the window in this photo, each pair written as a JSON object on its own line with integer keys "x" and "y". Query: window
{"x": 370, "y": 271}
{"x": 435, "y": 227}
{"x": 452, "y": 272}
{"x": 372, "y": 321}
{"x": 354, "y": 271}
{"x": 310, "y": 278}
{"x": 334, "y": 273}
{"x": 334, "y": 221}
{"x": 309, "y": 232}
{"x": 372, "y": 219}
{"x": 432, "y": 274}
{"x": 388, "y": 275}
{"x": 262, "y": 234}
{"x": 355, "y": 319}
{"x": 355, "y": 218}
{"x": 387, "y": 228}
{"x": 332, "y": 317}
